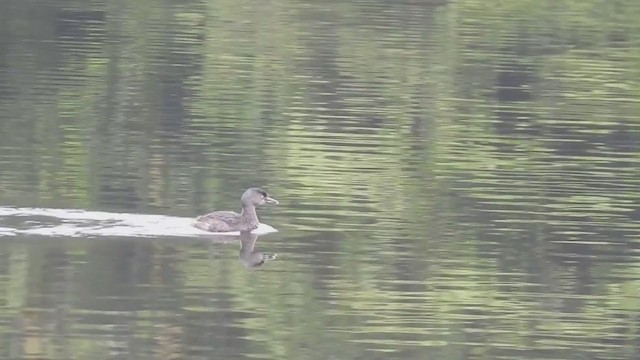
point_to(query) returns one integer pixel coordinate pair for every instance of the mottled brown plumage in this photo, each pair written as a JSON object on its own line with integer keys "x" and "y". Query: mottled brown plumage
{"x": 247, "y": 220}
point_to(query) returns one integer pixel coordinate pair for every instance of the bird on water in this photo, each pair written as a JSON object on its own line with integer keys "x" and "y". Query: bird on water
{"x": 247, "y": 220}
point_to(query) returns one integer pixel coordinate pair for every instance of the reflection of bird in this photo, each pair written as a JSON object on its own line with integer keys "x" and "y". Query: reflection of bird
{"x": 249, "y": 257}
{"x": 247, "y": 220}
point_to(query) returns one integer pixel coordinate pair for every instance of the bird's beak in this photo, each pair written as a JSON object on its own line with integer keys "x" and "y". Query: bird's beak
{"x": 270, "y": 200}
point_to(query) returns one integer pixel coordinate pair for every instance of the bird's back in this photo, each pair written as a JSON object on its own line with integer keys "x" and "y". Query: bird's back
{"x": 219, "y": 221}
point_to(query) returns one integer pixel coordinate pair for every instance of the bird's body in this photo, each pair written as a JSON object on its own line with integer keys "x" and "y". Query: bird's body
{"x": 226, "y": 221}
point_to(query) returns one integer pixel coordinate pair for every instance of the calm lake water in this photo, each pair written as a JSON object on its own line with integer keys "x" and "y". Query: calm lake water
{"x": 457, "y": 179}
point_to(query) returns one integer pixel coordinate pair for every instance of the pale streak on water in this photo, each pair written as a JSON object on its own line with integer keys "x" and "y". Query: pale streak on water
{"x": 458, "y": 180}
{"x": 80, "y": 223}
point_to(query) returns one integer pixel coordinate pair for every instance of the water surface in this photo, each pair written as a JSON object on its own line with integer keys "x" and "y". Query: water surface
{"x": 457, "y": 180}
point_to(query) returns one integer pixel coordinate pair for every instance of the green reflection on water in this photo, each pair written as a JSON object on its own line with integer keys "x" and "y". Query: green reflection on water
{"x": 458, "y": 180}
